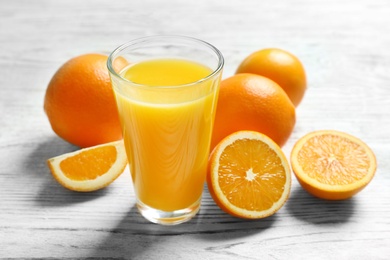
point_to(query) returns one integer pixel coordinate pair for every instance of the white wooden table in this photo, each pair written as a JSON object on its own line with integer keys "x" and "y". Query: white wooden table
{"x": 345, "y": 47}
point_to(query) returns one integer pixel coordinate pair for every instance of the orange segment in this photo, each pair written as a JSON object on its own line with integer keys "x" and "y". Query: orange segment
{"x": 79, "y": 167}
{"x": 332, "y": 165}
{"x": 248, "y": 175}
{"x": 91, "y": 168}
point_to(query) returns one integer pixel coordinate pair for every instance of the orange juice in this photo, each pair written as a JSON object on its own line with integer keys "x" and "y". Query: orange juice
{"x": 167, "y": 132}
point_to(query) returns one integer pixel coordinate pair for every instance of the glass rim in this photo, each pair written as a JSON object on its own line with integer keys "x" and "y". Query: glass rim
{"x": 125, "y": 45}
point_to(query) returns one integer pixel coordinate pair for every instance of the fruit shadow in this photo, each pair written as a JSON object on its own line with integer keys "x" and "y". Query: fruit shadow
{"x": 50, "y": 193}
{"x": 134, "y": 237}
{"x": 215, "y": 224}
{"x": 308, "y": 208}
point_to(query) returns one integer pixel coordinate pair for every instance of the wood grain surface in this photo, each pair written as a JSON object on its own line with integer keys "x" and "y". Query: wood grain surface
{"x": 345, "y": 48}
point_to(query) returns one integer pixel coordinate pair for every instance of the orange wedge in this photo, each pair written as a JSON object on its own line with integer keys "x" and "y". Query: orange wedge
{"x": 91, "y": 168}
{"x": 332, "y": 165}
{"x": 248, "y": 175}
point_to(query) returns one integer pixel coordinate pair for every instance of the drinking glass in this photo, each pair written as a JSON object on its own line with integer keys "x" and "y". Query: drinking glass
{"x": 166, "y": 127}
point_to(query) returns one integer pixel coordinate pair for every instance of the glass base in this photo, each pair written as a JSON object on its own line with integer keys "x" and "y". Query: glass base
{"x": 168, "y": 217}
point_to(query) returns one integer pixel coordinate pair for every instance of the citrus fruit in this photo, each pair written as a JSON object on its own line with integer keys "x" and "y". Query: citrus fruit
{"x": 248, "y": 175}
{"x": 332, "y": 165}
{"x": 253, "y": 102}
{"x": 282, "y": 67}
{"x": 89, "y": 169}
{"x": 80, "y": 103}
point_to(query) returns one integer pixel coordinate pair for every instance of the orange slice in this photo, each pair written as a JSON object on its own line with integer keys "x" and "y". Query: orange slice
{"x": 248, "y": 175}
{"x": 91, "y": 168}
{"x": 332, "y": 165}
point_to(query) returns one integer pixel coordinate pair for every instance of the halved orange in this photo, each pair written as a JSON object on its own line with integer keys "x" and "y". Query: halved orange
{"x": 91, "y": 168}
{"x": 332, "y": 165}
{"x": 248, "y": 175}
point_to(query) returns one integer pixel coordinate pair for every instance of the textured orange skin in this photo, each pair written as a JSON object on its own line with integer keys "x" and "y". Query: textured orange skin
{"x": 280, "y": 66}
{"x": 329, "y": 195}
{"x": 80, "y": 103}
{"x": 253, "y": 102}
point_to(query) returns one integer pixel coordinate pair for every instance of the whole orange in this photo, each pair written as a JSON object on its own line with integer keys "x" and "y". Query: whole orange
{"x": 80, "y": 103}
{"x": 253, "y": 102}
{"x": 282, "y": 67}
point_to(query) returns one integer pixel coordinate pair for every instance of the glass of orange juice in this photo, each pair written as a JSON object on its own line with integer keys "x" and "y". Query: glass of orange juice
{"x": 166, "y": 97}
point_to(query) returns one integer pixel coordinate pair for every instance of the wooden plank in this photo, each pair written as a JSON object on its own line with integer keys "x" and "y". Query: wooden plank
{"x": 344, "y": 47}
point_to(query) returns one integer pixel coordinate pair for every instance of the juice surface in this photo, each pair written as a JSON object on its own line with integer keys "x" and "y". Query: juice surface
{"x": 166, "y": 72}
{"x": 168, "y": 143}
